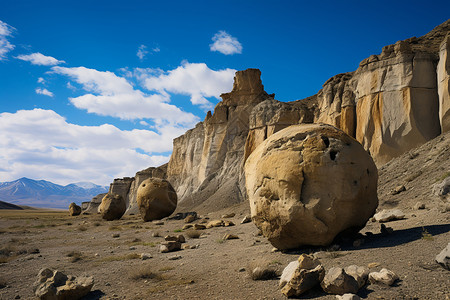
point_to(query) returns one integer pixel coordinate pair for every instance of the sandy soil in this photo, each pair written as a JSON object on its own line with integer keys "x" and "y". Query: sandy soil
{"x": 110, "y": 251}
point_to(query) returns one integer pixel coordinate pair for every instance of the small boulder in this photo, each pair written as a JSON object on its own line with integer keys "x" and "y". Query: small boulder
{"x": 145, "y": 256}
{"x": 385, "y": 276}
{"x": 187, "y": 226}
{"x": 288, "y": 273}
{"x": 443, "y": 188}
{"x": 190, "y": 219}
{"x": 398, "y": 189}
{"x": 360, "y": 274}
{"x": 214, "y": 223}
{"x": 246, "y": 219}
{"x": 302, "y": 281}
{"x": 227, "y": 216}
{"x": 419, "y": 205}
{"x": 113, "y": 207}
{"x": 74, "y": 210}
{"x": 337, "y": 281}
{"x": 230, "y": 236}
{"x": 156, "y": 199}
{"x": 387, "y": 215}
{"x": 443, "y": 258}
{"x": 58, "y": 286}
{"x": 199, "y": 227}
{"x": 228, "y": 223}
{"x": 178, "y": 238}
{"x": 169, "y": 246}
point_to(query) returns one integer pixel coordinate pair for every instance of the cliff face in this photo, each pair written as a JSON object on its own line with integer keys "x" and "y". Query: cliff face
{"x": 393, "y": 102}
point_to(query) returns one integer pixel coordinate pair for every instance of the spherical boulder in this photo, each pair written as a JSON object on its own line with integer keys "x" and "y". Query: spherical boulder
{"x": 74, "y": 210}
{"x": 156, "y": 199}
{"x": 113, "y": 207}
{"x": 307, "y": 183}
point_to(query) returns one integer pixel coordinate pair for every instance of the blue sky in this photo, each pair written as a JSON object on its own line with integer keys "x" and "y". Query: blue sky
{"x": 94, "y": 90}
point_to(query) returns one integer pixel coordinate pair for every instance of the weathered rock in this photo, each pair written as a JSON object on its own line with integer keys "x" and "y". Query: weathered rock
{"x": 360, "y": 274}
{"x": 145, "y": 256}
{"x": 190, "y": 219}
{"x": 337, "y": 281}
{"x": 419, "y": 205}
{"x": 308, "y": 183}
{"x": 348, "y": 297}
{"x": 214, "y": 223}
{"x": 387, "y": 215}
{"x": 230, "y": 236}
{"x": 227, "y": 216}
{"x": 443, "y": 75}
{"x": 121, "y": 186}
{"x": 228, "y": 223}
{"x": 112, "y": 207}
{"x": 199, "y": 227}
{"x": 246, "y": 219}
{"x": 442, "y": 188}
{"x": 58, "y": 286}
{"x": 398, "y": 190}
{"x": 74, "y": 210}
{"x": 94, "y": 204}
{"x": 179, "y": 238}
{"x": 187, "y": 226}
{"x": 156, "y": 199}
{"x": 303, "y": 280}
{"x": 385, "y": 276}
{"x": 443, "y": 258}
{"x": 288, "y": 273}
{"x": 169, "y": 246}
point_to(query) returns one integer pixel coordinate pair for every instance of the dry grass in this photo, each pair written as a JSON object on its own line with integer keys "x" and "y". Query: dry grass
{"x": 145, "y": 272}
{"x": 261, "y": 269}
{"x": 82, "y": 228}
{"x": 193, "y": 234}
{"x": 74, "y": 256}
{"x": 121, "y": 257}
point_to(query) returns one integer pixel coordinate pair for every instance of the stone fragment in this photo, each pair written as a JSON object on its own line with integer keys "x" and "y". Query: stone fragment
{"x": 228, "y": 223}
{"x": 443, "y": 188}
{"x": 74, "y": 210}
{"x": 199, "y": 227}
{"x": 175, "y": 257}
{"x": 373, "y": 265}
{"x": 227, "y": 216}
{"x": 190, "y": 219}
{"x": 306, "y": 261}
{"x": 169, "y": 246}
{"x": 332, "y": 175}
{"x": 303, "y": 280}
{"x": 387, "y": 215}
{"x": 419, "y": 205}
{"x": 145, "y": 256}
{"x": 337, "y": 281}
{"x": 288, "y": 273}
{"x": 385, "y": 276}
{"x": 230, "y": 236}
{"x": 443, "y": 258}
{"x": 178, "y": 238}
{"x": 187, "y": 226}
{"x": 113, "y": 207}
{"x": 398, "y": 189}
{"x": 360, "y": 274}
{"x": 348, "y": 297}
{"x": 214, "y": 223}
{"x": 246, "y": 219}
{"x": 54, "y": 285}
{"x": 156, "y": 199}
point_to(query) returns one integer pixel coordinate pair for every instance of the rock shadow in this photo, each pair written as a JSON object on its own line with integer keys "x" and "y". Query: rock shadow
{"x": 94, "y": 295}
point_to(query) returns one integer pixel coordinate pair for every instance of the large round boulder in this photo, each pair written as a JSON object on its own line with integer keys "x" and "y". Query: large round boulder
{"x": 74, "y": 209}
{"x": 308, "y": 183}
{"x": 113, "y": 207}
{"x": 156, "y": 199}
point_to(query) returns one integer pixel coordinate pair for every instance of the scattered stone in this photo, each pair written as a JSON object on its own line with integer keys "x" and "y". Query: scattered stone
{"x": 56, "y": 285}
{"x": 274, "y": 250}
{"x": 190, "y": 219}
{"x": 443, "y": 258}
{"x": 288, "y": 273}
{"x": 178, "y": 238}
{"x": 246, "y": 219}
{"x": 385, "y": 276}
{"x": 337, "y": 281}
{"x": 303, "y": 280}
{"x": 398, "y": 189}
{"x": 419, "y": 205}
{"x": 373, "y": 265}
{"x": 113, "y": 207}
{"x": 158, "y": 222}
{"x": 145, "y": 256}
{"x": 199, "y": 227}
{"x": 74, "y": 210}
{"x": 242, "y": 270}
{"x": 186, "y": 246}
{"x": 260, "y": 273}
{"x": 183, "y": 215}
{"x": 386, "y": 230}
{"x": 132, "y": 248}
{"x": 443, "y": 188}
{"x": 348, "y": 297}
{"x": 187, "y": 226}
{"x": 387, "y": 215}
{"x": 214, "y": 223}
{"x": 230, "y": 236}
{"x": 169, "y": 246}
{"x": 156, "y": 199}
{"x": 337, "y": 167}
{"x": 360, "y": 274}
{"x": 175, "y": 257}
{"x": 228, "y": 223}
{"x": 227, "y": 216}
{"x": 115, "y": 235}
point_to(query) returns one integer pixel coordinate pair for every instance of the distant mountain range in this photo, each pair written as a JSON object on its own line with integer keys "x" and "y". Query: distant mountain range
{"x": 41, "y": 193}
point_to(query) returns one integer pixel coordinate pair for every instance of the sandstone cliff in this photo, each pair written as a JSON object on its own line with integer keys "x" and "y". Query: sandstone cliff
{"x": 393, "y": 102}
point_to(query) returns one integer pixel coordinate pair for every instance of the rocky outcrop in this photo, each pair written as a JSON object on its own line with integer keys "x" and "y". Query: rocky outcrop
{"x": 206, "y": 162}
{"x": 156, "y": 199}
{"x": 443, "y": 74}
{"x": 92, "y": 207}
{"x": 307, "y": 183}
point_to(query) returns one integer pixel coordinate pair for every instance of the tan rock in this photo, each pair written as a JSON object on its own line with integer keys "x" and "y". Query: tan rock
{"x": 303, "y": 280}
{"x": 199, "y": 227}
{"x": 169, "y": 246}
{"x": 331, "y": 174}
{"x": 443, "y": 75}
{"x": 214, "y": 223}
{"x": 360, "y": 273}
{"x": 230, "y": 236}
{"x": 112, "y": 207}
{"x": 74, "y": 209}
{"x": 387, "y": 215}
{"x": 189, "y": 219}
{"x": 227, "y": 216}
{"x": 337, "y": 281}
{"x": 187, "y": 226}
{"x": 385, "y": 276}
{"x": 178, "y": 238}
{"x": 156, "y": 199}
{"x": 246, "y": 219}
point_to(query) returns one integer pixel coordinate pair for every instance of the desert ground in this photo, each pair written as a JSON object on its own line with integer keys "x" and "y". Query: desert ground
{"x": 220, "y": 269}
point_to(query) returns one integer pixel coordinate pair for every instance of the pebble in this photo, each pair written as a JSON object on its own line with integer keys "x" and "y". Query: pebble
{"x": 175, "y": 257}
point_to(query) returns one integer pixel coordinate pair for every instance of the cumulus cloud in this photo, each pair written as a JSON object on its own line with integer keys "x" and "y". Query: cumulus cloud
{"x": 142, "y": 52}
{"x": 41, "y": 80}
{"x": 225, "y": 43}
{"x": 40, "y": 59}
{"x": 43, "y": 91}
{"x": 193, "y": 79}
{"x": 41, "y": 144}
{"x": 5, "y": 46}
{"x": 111, "y": 95}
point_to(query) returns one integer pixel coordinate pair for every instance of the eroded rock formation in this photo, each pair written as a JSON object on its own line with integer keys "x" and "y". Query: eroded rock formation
{"x": 156, "y": 199}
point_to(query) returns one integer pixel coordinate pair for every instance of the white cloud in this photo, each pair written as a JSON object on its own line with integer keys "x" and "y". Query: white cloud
{"x": 142, "y": 52}
{"x": 41, "y": 144}
{"x": 193, "y": 79}
{"x": 156, "y": 49}
{"x": 225, "y": 43}
{"x": 40, "y": 59}
{"x": 143, "y": 123}
{"x": 45, "y": 92}
{"x": 41, "y": 80}
{"x": 111, "y": 95}
{"x": 5, "y": 32}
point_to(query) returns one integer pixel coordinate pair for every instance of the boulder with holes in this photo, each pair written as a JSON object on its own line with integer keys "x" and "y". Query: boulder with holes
{"x": 156, "y": 199}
